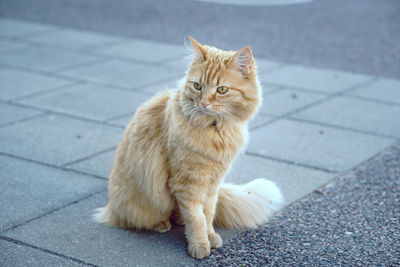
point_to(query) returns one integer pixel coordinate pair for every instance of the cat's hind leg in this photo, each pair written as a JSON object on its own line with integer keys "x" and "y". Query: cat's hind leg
{"x": 163, "y": 226}
{"x": 176, "y": 217}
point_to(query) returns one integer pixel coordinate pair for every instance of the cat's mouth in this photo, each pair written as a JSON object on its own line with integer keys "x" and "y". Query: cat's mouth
{"x": 207, "y": 110}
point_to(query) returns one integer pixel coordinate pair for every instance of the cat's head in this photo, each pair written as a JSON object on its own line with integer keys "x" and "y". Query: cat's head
{"x": 221, "y": 84}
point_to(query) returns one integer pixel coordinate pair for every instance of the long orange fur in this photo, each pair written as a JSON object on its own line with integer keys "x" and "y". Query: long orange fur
{"x": 177, "y": 149}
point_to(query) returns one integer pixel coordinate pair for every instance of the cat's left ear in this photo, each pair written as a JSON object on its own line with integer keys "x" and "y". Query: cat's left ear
{"x": 242, "y": 61}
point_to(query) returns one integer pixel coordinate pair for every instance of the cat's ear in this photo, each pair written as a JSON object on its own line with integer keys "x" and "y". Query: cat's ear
{"x": 242, "y": 61}
{"x": 199, "y": 52}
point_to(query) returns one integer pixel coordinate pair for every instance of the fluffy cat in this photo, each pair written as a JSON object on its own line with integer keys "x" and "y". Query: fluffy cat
{"x": 177, "y": 149}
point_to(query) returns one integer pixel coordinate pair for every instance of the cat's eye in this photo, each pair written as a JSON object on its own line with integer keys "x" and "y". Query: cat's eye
{"x": 197, "y": 86}
{"x": 222, "y": 90}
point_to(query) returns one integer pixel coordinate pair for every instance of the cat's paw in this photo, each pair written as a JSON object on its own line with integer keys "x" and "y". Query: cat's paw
{"x": 199, "y": 251}
{"x": 215, "y": 240}
{"x": 163, "y": 227}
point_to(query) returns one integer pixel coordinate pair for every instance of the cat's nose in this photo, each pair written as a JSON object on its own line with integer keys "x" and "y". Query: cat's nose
{"x": 205, "y": 104}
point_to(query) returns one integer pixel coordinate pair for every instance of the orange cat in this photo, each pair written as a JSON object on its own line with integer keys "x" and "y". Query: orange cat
{"x": 177, "y": 149}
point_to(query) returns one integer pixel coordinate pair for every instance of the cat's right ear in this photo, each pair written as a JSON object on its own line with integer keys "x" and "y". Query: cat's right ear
{"x": 199, "y": 52}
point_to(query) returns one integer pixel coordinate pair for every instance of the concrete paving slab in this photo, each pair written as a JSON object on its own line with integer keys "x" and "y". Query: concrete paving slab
{"x": 56, "y": 139}
{"x": 73, "y": 38}
{"x": 287, "y": 100}
{"x": 264, "y": 65}
{"x": 316, "y": 79}
{"x": 319, "y": 146}
{"x": 89, "y": 101}
{"x": 19, "y": 255}
{"x": 356, "y": 114}
{"x": 7, "y": 45}
{"x": 259, "y": 120}
{"x": 99, "y": 165}
{"x": 129, "y": 75}
{"x": 94, "y": 243}
{"x": 143, "y": 50}
{"x": 268, "y": 89}
{"x": 122, "y": 120}
{"x": 13, "y": 28}
{"x": 10, "y": 113}
{"x": 29, "y": 190}
{"x": 17, "y": 83}
{"x": 294, "y": 181}
{"x": 46, "y": 58}
{"x": 381, "y": 89}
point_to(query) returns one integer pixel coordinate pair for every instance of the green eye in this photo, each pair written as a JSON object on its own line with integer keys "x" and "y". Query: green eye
{"x": 197, "y": 86}
{"x": 222, "y": 90}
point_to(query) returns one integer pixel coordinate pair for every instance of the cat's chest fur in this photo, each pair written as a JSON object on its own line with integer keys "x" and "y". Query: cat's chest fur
{"x": 213, "y": 141}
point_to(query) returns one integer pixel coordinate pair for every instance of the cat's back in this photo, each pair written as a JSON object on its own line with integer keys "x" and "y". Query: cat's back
{"x": 149, "y": 117}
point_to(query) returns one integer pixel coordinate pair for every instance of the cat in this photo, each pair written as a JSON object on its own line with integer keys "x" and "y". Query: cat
{"x": 178, "y": 147}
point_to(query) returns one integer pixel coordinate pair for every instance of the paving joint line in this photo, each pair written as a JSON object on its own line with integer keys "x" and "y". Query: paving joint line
{"x": 22, "y": 40}
{"x": 44, "y": 73}
{"x": 372, "y": 100}
{"x": 11, "y": 50}
{"x": 51, "y": 165}
{"x": 88, "y": 157}
{"x": 275, "y": 119}
{"x": 82, "y": 64}
{"x": 47, "y": 251}
{"x": 53, "y": 210}
{"x": 104, "y": 45}
{"x": 53, "y": 112}
{"x": 47, "y": 91}
{"x": 56, "y": 46}
{"x": 342, "y": 128}
{"x": 133, "y": 60}
{"x": 23, "y": 119}
{"x": 290, "y": 162}
{"x": 119, "y": 116}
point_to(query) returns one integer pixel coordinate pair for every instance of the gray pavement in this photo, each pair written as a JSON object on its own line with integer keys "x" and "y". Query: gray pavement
{"x": 66, "y": 95}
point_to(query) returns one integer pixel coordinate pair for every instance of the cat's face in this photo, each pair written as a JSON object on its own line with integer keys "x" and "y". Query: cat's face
{"x": 221, "y": 84}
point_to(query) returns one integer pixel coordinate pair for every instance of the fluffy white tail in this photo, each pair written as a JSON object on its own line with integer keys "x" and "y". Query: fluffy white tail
{"x": 248, "y": 205}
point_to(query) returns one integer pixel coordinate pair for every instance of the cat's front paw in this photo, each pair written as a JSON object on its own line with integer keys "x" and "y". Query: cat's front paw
{"x": 199, "y": 251}
{"x": 215, "y": 240}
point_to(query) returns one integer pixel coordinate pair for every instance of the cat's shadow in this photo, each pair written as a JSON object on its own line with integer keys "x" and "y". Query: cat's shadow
{"x": 174, "y": 237}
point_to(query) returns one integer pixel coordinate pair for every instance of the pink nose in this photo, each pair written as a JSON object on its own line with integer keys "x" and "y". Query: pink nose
{"x": 204, "y": 104}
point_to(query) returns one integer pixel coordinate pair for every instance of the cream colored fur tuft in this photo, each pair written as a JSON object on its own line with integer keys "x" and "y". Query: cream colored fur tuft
{"x": 248, "y": 205}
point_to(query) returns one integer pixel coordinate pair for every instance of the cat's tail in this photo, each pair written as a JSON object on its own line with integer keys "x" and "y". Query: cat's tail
{"x": 248, "y": 205}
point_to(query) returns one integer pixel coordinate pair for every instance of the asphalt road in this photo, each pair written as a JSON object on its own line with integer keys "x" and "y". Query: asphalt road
{"x": 353, "y": 221}
{"x": 353, "y": 35}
